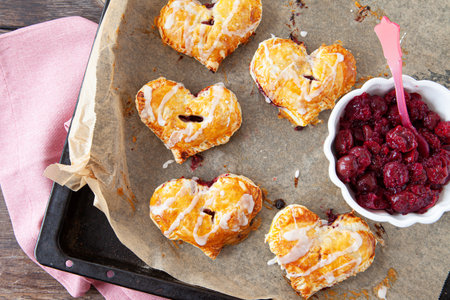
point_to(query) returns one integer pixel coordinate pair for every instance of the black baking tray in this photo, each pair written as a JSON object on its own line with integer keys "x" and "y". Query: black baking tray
{"x": 76, "y": 237}
{"x": 74, "y": 230}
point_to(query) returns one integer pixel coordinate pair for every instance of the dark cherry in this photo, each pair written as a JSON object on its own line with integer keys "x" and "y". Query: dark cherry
{"x": 372, "y": 201}
{"x": 382, "y": 126}
{"x": 394, "y": 155}
{"x": 417, "y": 198}
{"x": 363, "y": 157}
{"x": 442, "y": 130}
{"x": 395, "y": 174}
{"x": 432, "y": 140}
{"x": 373, "y": 147}
{"x": 279, "y": 203}
{"x": 393, "y": 116}
{"x": 344, "y": 141}
{"x": 431, "y": 120}
{"x": 390, "y": 98}
{"x": 403, "y": 202}
{"x": 417, "y": 109}
{"x": 371, "y": 135}
{"x": 417, "y": 174}
{"x": 359, "y": 108}
{"x": 378, "y": 106}
{"x": 437, "y": 168}
{"x": 402, "y": 139}
{"x": 367, "y": 183}
{"x": 347, "y": 167}
{"x": 411, "y": 156}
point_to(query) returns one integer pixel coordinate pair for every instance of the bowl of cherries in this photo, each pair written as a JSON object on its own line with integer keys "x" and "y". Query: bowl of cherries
{"x": 376, "y": 162}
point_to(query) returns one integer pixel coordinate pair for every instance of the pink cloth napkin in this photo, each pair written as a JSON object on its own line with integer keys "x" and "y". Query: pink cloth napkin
{"x": 41, "y": 69}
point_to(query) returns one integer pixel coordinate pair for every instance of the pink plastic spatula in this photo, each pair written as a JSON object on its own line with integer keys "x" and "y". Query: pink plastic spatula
{"x": 389, "y": 35}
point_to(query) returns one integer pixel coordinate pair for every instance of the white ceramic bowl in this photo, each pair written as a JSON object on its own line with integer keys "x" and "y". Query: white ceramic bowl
{"x": 438, "y": 99}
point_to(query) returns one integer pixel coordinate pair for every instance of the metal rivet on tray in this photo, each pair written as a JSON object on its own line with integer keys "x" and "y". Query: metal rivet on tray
{"x": 69, "y": 263}
{"x": 110, "y": 274}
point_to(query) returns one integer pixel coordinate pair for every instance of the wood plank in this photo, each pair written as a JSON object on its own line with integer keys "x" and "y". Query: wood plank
{"x": 20, "y": 278}
{"x": 18, "y": 13}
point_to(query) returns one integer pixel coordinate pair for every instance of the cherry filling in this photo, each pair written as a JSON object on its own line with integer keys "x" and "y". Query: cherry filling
{"x": 196, "y": 161}
{"x": 294, "y": 39}
{"x": 309, "y": 77}
{"x": 208, "y": 183}
{"x": 209, "y": 5}
{"x": 209, "y": 212}
{"x": 379, "y": 159}
{"x": 192, "y": 118}
{"x": 210, "y": 22}
{"x": 331, "y": 216}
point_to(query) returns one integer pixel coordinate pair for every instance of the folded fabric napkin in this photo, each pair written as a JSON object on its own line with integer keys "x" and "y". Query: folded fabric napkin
{"x": 41, "y": 70}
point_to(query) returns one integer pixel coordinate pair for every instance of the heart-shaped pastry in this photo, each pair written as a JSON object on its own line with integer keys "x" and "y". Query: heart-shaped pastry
{"x": 316, "y": 255}
{"x": 188, "y": 124}
{"x": 209, "y": 32}
{"x": 302, "y": 85}
{"x": 208, "y": 215}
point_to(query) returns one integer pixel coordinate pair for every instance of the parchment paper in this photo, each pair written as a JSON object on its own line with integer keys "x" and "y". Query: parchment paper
{"x": 121, "y": 159}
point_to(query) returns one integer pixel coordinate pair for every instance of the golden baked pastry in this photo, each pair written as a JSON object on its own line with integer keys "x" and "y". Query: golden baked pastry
{"x": 302, "y": 85}
{"x": 206, "y": 215}
{"x": 211, "y": 32}
{"x": 316, "y": 255}
{"x": 187, "y": 124}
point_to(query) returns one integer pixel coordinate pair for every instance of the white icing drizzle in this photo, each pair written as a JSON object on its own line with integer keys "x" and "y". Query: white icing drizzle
{"x": 224, "y": 221}
{"x": 382, "y": 292}
{"x": 302, "y": 246}
{"x": 201, "y": 240}
{"x": 147, "y": 111}
{"x": 241, "y": 33}
{"x": 222, "y": 193}
{"x": 176, "y": 5}
{"x": 159, "y": 209}
{"x": 333, "y": 256}
{"x": 217, "y": 90}
{"x": 190, "y": 27}
{"x": 272, "y": 261}
{"x": 242, "y": 221}
{"x": 247, "y": 202}
{"x": 329, "y": 276}
{"x": 167, "y": 163}
{"x": 242, "y": 185}
{"x": 181, "y": 215}
{"x": 166, "y": 98}
{"x": 297, "y": 173}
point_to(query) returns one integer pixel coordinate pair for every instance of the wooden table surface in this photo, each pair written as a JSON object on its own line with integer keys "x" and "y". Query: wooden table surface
{"x": 20, "y": 278}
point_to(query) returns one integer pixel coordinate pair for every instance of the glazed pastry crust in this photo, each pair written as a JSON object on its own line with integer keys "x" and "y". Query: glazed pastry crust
{"x": 185, "y": 26}
{"x": 234, "y": 200}
{"x": 160, "y": 103}
{"x": 332, "y": 254}
{"x": 302, "y": 85}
